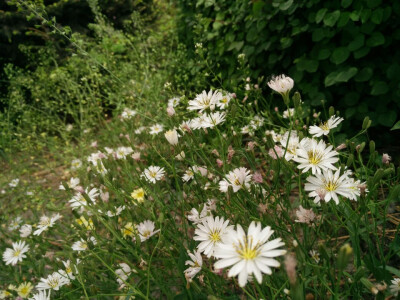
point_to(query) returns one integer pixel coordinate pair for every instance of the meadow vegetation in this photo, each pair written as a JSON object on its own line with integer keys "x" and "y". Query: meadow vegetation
{"x": 132, "y": 170}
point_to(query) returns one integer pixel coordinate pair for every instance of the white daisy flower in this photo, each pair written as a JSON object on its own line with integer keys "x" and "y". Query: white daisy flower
{"x": 16, "y": 254}
{"x": 128, "y": 113}
{"x": 79, "y": 201}
{"x": 146, "y": 230}
{"x": 238, "y": 178}
{"x": 80, "y": 245}
{"x": 210, "y": 233}
{"x": 123, "y": 152}
{"x": 324, "y": 128}
{"x": 330, "y": 185}
{"x": 315, "y": 156}
{"x": 153, "y": 173}
{"x": 123, "y": 273}
{"x": 25, "y": 230}
{"x": 213, "y": 119}
{"x": 139, "y": 130}
{"x": 315, "y": 255}
{"x": 199, "y": 122}
{"x": 15, "y": 224}
{"x": 224, "y": 100}
{"x": 257, "y": 122}
{"x": 195, "y": 217}
{"x": 275, "y": 136}
{"x": 72, "y": 184}
{"x": 395, "y": 286}
{"x": 69, "y": 271}
{"x": 204, "y": 101}
{"x": 281, "y": 84}
{"x": 14, "y": 183}
{"x": 41, "y": 295}
{"x": 249, "y": 254}
{"x": 45, "y": 223}
{"x": 53, "y": 281}
{"x": 195, "y": 264}
{"x": 76, "y": 164}
{"x": 292, "y": 142}
{"x": 288, "y": 113}
{"x": 156, "y": 129}
{"x": 247, "y": 130}
{"x": 94, "y": 158}
{"x": 174, "y": 102}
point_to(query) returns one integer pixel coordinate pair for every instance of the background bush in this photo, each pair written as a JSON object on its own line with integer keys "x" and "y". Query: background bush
{"x": 345, "y": 52}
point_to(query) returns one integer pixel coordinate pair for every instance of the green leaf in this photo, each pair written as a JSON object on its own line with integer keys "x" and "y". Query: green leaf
{"x": 393, "y": 71}
{"x": 373, "y": 3}
{"x": 252, "y": 34}
{"x": 376, "y": 39}
{"x": 365, "y": 14}
{"x": 344, "y": 19}
{"x": 364, "y": 75}
{"x": 357, "y": 42}
{"x": 320, "y": 15}
{"x": 345, "y": 75}
{"x": 395, "y": 127}
{"x": 236, "y": 45}
{"x": 286, "y": 42}
{"x": 257, "y": 7}
{"x": 304, "y": 64}
{"x": 324, "y": 54}
{"x": 377, "y": 16}
{"x": 340, "y": 55}
{"x": 346, "y": 3}
{"x": 388, "y": 118}
{"x": 379, "y": 88}
{"x": 318, "y": 35}
{"x": 340, "y": 76}
{"x": 286, "y": 5}
{"x": 361, "y": 53}
{"x": 355, "y": 16}
{"x": 330, "y": 19}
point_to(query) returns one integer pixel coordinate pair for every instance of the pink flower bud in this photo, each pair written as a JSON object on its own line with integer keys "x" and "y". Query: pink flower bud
{"x": 386, "y": 159}
{"x": 220, "y": 163}
{"x": 257, "y": 177}
{"x": 170, "y": 111}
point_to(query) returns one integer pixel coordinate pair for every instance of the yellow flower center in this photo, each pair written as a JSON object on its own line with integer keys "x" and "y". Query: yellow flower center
{"x": 146, "y": 233}
{"x": 236, "y": 182}
{"x": 247, "y": 250}
{"x": 331, "y": 186}
{"x": 324, "y": 126}
{"x": 224, "y": 100}
{"x": 215, "y": 236}
{"x": 314, "y": 157}
{"x": 17, "y": 253}
{"x": 152, "y": 174}
{"x": 53, "y": 282}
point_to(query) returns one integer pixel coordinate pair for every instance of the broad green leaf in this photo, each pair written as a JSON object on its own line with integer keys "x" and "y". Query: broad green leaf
{"x": 320, "y": 15}
{"x": 388, "y": 118}
{"x": 324, "y": 54}
{"x": 340, "y": 55}
{"x": 377, "y": 16}
{"x": 357, "y": 42}
{"x": 330, "y": 19}
{"x": 376, "y": 39}
{"x": 393, "y": 71}
{"x": 373, "y": 3}
{"x": 346, "y": 3}
{"x": 236, "y": 45}
{"x": 365, "y": 74}
{"x": 286, "y": 5}
{"x": 395, "y": 127}
{"x": 379, "y": 88}
{"x": 344, "y": 19}
{"x": 318, "y": 35}
{"x": 346, "y": 75}
{"x": 361, "y": 52}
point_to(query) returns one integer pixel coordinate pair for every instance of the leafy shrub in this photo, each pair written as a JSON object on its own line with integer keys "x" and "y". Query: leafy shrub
{"x": 351, "y": 46}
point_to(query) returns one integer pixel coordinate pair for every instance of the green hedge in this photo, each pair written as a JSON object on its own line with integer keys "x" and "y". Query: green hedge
{"x": 345, "y": 52}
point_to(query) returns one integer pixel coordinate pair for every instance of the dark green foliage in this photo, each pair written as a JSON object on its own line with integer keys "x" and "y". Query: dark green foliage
{"x": 345, "y": 52}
